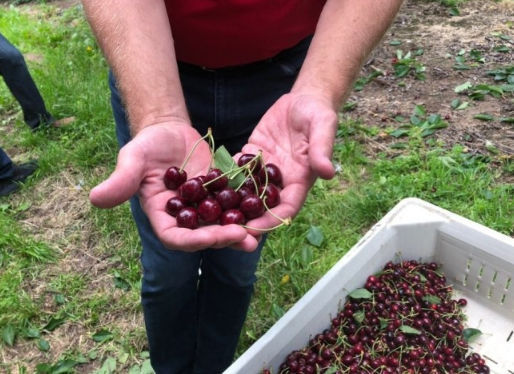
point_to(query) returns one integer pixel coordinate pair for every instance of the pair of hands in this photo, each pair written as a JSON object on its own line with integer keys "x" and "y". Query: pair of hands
{"x": 296, "y": 134}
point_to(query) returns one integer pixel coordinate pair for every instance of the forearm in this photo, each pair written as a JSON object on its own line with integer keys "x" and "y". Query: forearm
{"x": 136, "y": 39}
{"x": 347, "y": 32}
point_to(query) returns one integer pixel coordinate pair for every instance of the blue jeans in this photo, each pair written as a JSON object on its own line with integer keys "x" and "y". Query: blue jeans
{"x": 193, "y": 320}
{"x": 16, "y": 75}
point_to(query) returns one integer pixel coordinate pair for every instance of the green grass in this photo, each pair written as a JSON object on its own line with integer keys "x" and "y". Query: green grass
{"x": 69, "y": 283}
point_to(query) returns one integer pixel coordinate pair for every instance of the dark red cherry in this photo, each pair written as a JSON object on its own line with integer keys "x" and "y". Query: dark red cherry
{"x": 209, "y": 210}
{"x": 273, "y": 173}
{"x": 193, "y": 190}
{"x": 271, "y": 195}
{"x": 232, "y": 216}
{"x": 228, "y": 198}
{"x": 254, "y": 165}
{"x": 215, "y": 180}
{"x": 175, "y": 205}
{"x": 174, "y": 177}
{"x": 187, "y": 218}
{"x": 252, "y": 207}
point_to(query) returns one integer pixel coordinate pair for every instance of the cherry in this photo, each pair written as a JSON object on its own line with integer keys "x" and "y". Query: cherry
{"x": 209, "y": 210}
{"x": 254, "y": 164}
{"x": 271, "y": 194}
{"x": 232, "y": 216}
{"x": 228, "y": 198}
{"x": 215, "y": 180}
{"x": 188, "y": 218}
{"x": 252, "y": 207}
{"x": 174, "y": 177}
{"x": 273, "y": 174}
{"x": 175, "y": 205}
{"x": 193, "y": 190}
{"x": 245, "y": 191}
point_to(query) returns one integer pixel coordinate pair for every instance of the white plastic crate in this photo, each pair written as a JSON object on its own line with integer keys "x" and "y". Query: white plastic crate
{"x": 478, "y": 261}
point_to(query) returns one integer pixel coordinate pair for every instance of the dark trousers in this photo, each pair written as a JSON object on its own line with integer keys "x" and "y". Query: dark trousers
{"x": 16, "y": 75}
{"x": 194, "y": 319}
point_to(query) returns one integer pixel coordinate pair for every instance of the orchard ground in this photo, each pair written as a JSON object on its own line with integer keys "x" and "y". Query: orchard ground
{"x": 450, "y": 56}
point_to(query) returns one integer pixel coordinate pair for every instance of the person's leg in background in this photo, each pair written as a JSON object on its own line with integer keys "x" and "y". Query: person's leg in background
{"x": 16, "y": 75}
{"x": 11, "y": 175}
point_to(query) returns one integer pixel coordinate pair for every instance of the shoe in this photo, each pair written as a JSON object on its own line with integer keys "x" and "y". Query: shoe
{"x": 53, "y": 123}
{"x": 63, "y": 121}
{"x": 20, "y": 175}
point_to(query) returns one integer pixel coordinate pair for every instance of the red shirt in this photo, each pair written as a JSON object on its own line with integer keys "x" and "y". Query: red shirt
{"x": 222, "y": 33}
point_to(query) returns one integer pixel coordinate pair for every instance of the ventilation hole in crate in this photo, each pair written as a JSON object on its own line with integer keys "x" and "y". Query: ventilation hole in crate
{"x": 507, "y": 285}
{"x": 477, "y": 286}
{"x": 510, "y": 336}
{"x": 465, "y": 280}
{"x": 490, "y": 293}
{"x": 469, "y": 264}
{"x": 490, "y": 359}
{"x": 481, "y": 271}
{"x": 510, "y": 371}
{"x": 493, "y": 281}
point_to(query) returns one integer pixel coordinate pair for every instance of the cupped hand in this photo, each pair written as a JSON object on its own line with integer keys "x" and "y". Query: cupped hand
{"x": 297, "y": 134}
{"x": 140, "y": 169}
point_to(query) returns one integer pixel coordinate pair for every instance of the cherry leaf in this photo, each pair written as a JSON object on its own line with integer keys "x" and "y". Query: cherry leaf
{"x": 224, "y": 161}
{"x": 432, "y": 299}
{"x": 360, "y": 293}
{"x": 359, "y": 316}
{"x": 409, "y": 330}
{"x": 469, "y": 334}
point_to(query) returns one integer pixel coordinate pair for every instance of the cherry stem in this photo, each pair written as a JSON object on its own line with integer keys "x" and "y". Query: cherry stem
{"x": 211, "y": 141}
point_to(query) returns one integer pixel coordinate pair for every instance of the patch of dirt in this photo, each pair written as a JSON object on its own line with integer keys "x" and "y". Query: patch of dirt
{"x": 481, "y": 27}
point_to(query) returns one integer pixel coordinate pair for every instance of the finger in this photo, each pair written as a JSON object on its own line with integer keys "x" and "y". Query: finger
{"x": 321, "y": 146}
{"x": 122, "y": 184}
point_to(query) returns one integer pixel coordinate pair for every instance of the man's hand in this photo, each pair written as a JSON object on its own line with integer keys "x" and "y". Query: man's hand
{"x": 140, "y": 169}
{"x": 297, "y": 134}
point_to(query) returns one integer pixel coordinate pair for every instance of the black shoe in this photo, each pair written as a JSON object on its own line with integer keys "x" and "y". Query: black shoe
{"x": 20, "y": 175}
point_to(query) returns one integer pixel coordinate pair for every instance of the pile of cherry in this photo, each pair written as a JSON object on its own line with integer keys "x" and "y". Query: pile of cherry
{"x": 404, "y": 320}
{"x": 210, "y": 199}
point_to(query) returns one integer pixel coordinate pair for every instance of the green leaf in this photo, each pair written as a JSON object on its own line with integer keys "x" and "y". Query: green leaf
{"x": 463, "y": 87}
{"x": 395, "y": 42}
{"x": 121, "y": 283}
{"x": 491, "y": 147}
{"x": 507, "y": 119}
{"x": 54, "y": 323}
{"x": 484, "y": 117}
{"x": 8, "y": 334}
{"x": 360, "y": 293}
{"x": 306, "y": 255}
{"x": 146, "y": 368}
{"x": 432, "y": 299}
{"x": 331, "y": 370}
{"x": 43, "y": 345}
{"x": 32, "y": 333}
{"x": 224, "y": 161}
{"x": 399, "y": 133}
{"x": 108, "y": 367}
{"x": 315, "y": 236}
{"x": 359, "y": 316}
{"x": 102, "y": 336}
{"x": 469, "y": 334}
{"x": 454, "y": 11}
{"x": 409, "y": 330}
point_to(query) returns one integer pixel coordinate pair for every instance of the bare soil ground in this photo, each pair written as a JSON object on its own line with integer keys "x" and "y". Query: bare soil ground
{"x": 482, "y": 27}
